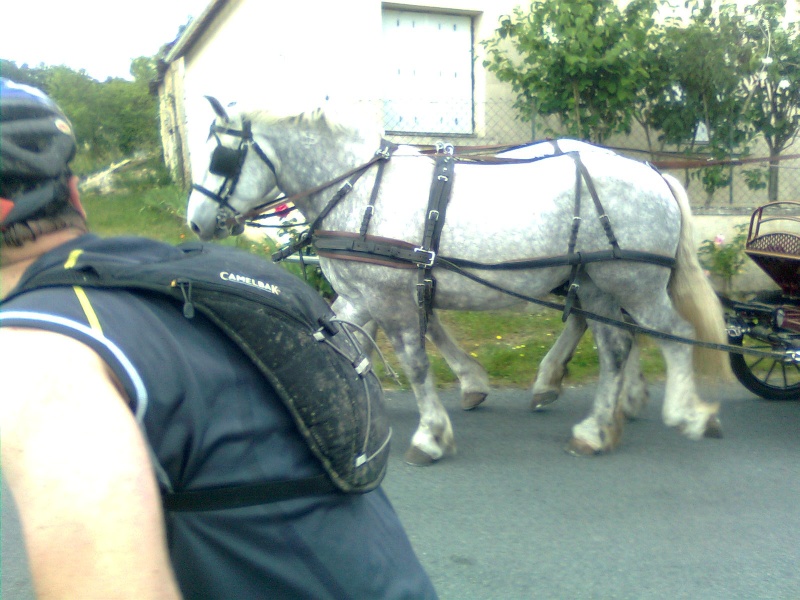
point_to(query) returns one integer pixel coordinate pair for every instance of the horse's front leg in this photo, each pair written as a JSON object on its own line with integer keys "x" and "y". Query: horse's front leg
{"x": 553, "y": 368}
{"x": 433, "y": 438}
{"x": 360, "y": 316}
{"x": 471, "y": 375}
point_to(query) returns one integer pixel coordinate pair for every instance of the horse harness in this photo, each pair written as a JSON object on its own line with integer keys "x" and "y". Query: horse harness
{"x": 425, "y": 256}
{"x": 361, "y": 246}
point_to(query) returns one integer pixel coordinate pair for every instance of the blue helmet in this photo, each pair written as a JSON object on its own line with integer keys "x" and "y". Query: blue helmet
{"x": 36, "y": 145}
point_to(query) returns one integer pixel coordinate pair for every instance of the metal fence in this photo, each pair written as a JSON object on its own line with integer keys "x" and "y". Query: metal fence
{"x": 497, "y": 123}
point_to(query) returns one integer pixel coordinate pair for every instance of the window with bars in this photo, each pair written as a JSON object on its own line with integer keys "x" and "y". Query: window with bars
{"x": 428, "y": 78}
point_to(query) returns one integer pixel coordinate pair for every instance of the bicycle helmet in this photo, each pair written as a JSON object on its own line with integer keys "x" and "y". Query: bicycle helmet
{"x": 36, "y": 145}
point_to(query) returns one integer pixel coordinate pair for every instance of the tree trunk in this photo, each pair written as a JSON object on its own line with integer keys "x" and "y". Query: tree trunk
{"x": 774, "y": 163}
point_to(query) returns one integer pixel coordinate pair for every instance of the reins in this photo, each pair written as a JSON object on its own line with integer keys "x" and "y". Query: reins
{"x": 629, "y": 325}
{"x": 383, "y": 154}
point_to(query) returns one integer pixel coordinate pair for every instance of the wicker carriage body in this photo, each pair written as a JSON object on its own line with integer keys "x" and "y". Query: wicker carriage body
{"x": 777, "y": 252}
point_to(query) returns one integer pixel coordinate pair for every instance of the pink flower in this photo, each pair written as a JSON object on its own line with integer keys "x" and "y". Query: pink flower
{"x": 719, "y": 240}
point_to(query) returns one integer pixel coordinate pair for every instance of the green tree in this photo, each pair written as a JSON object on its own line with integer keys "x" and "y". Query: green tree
{"x": 135, "y": 126}
{"x": 22, "y": 74}
{"x": 704, "y": 61}
{"x": 113, "y": 119}
{"x": 773, "y": 81}
{"x": 583, "y": 61}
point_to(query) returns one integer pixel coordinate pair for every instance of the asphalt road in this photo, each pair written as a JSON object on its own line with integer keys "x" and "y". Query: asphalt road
{"x": 514, "y": 516}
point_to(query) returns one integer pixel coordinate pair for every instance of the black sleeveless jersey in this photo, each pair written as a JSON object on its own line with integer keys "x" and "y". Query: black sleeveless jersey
{"x": 211, "y": 420}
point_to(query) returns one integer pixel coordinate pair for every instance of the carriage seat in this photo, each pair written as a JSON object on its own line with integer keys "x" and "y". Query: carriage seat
{"x": 783, "y": 243}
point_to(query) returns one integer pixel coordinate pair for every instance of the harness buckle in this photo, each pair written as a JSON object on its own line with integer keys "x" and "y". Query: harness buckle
{"x": 424, "y": 292}
{"x": 434, "y": 214}
{"x": 431, "y": 258}
{"x": 384, "y": 153}
{"x": 444, "y": 148}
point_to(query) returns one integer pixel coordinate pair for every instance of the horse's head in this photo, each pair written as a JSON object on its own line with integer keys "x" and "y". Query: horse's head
{"x": 239, "y": 176}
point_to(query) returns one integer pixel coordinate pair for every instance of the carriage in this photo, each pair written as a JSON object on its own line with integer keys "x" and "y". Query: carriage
{"x": 769, "y": 321}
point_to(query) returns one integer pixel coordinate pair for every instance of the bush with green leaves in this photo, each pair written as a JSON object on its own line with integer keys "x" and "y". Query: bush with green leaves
{"x": 723, "y": 258}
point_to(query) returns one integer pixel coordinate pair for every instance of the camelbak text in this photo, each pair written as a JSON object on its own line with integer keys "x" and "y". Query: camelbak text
{"x": 256, "y": 283}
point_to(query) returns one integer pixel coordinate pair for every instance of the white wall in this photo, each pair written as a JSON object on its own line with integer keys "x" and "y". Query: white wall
{"x": 283, "y": 55}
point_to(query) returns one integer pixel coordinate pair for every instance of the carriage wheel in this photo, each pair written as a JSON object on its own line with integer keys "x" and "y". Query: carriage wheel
{"x": 766, "y": 377}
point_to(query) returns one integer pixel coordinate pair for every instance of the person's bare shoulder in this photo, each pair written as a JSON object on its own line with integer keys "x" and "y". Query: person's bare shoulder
{"x": 80, "y": 471}
{"x": 40, "y": 369}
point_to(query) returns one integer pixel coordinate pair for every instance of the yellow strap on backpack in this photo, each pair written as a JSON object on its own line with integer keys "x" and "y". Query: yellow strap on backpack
{"x": 83, "y": 299}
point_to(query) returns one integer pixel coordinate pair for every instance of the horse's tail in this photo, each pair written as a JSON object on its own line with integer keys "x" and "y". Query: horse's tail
{"x": 694, "y": 298}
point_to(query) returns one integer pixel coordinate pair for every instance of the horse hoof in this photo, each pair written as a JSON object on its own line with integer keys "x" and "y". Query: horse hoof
{"x": 472, "y": 399}
{"x": 578, "y": 447}
{"x": 713, "y": 428}
{"x": 416, "y": 457}
{"x": 542, "y": 399}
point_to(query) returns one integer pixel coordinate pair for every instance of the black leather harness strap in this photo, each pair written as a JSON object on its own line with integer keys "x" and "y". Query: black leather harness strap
{"x": 370, "y": 210}
{"x": 368, "y": 248}
{"x": 227, "y": 162}
{"x": 572, "y": 287}
{"x": 401, "y": 254}
{"x": 381, "y": 156}
{"x": 434, "y": 222}
{"x": 404, "y": 255}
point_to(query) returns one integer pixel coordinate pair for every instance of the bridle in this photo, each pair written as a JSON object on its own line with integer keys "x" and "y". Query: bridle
{"x": 227, "y": 163}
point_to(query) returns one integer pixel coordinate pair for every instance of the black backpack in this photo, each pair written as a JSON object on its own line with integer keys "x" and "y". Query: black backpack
{"x": 289, "y": 332}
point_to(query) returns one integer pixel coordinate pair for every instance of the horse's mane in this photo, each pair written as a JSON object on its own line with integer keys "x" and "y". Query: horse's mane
{"x": 317, "y": 119}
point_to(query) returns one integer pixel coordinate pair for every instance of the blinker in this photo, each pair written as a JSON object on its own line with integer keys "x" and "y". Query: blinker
{"x": 227, "y": 162}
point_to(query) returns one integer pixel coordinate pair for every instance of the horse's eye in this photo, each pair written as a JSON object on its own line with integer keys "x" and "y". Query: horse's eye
{"x": 226, "y": 162}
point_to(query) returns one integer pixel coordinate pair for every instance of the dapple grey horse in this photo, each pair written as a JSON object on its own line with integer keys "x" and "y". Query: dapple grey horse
{"x": 308, "y": 155}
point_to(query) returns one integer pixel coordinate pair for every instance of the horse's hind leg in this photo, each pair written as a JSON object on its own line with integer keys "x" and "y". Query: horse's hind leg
{"x": 682, "y": 407}
{"x": 471, "y": 375}
{"x": 553, "y": 368}
{"x": 634, "y": 395}
{"x": 601, "y": 431}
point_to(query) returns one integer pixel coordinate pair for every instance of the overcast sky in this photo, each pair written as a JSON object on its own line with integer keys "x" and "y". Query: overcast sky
{"x": 99, "y": 36}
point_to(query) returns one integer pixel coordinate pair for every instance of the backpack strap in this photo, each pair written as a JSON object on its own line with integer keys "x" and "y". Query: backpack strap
{"x": 247, "y": 495}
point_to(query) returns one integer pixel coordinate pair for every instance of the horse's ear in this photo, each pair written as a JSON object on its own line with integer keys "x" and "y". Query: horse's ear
{"x": 218, "y": 108}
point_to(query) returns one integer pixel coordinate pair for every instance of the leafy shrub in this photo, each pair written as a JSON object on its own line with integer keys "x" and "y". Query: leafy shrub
{"x": 724, "y": 259}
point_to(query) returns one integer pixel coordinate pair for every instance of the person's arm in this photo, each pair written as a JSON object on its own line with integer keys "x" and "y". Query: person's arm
{"x": 79, "y": 470}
